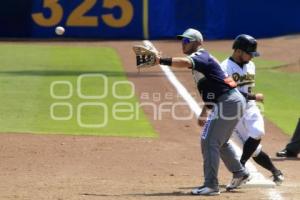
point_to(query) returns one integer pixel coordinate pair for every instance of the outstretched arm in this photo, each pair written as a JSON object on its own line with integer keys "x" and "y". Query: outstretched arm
{"x": 179, "y": 62}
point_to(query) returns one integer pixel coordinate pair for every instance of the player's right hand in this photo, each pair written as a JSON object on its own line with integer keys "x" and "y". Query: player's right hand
{"x": 201, "y": 122}
{"x": 259, "y": 97}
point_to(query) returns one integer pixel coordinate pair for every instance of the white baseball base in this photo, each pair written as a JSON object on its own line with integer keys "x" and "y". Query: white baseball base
{"x": 257, "y": 180}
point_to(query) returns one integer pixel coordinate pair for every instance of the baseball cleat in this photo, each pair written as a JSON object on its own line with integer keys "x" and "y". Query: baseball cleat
{"x": 286, "y": 154}
{"x": 206, "y": 191}
{"x": 278, "y": 177}
{"x": 236, "y": 182}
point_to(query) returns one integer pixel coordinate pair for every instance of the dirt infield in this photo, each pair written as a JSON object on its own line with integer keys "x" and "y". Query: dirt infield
{"x": 34, "y": 167}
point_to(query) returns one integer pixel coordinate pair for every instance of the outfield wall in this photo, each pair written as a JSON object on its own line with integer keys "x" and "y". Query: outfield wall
{"x": 154, "y": 19}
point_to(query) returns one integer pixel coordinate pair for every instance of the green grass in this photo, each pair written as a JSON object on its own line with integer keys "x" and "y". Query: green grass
{"x": 281, "y": 90}
{"x": 27, "y": 72}
{"x": 282, "y": 97}
{"x": 26, "y": 75}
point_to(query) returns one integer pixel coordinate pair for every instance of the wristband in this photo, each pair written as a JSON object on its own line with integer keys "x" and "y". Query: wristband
{"x": 165, "y": 61}
{"x": 251, "y": 97}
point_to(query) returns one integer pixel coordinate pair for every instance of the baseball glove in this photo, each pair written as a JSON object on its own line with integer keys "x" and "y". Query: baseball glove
{"x": 145, "y": 56}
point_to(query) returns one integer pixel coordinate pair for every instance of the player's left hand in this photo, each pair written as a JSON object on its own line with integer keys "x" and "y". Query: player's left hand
{"x": 157, "y": 58}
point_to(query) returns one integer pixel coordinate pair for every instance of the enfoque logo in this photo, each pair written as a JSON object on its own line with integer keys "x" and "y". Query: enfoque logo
{"x": 89, "y": 100}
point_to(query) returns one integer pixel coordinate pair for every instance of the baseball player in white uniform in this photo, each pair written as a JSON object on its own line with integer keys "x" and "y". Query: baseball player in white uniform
{"x": 250, "y": 129}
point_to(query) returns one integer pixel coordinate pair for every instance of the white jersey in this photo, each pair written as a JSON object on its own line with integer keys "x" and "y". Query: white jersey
{"x": 252, "y": 123}
{"x": 243, "y": 76}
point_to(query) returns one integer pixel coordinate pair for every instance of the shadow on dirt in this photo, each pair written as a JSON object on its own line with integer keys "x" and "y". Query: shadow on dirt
{"x": 160, "y": 194}
{"x": 283, "y": 159}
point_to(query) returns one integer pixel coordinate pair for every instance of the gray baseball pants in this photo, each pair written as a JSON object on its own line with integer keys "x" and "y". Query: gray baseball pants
{"x": 216, "y": 134}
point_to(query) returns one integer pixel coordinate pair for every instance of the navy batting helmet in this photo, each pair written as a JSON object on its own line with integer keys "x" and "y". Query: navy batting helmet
{"x": 246, "y": 43}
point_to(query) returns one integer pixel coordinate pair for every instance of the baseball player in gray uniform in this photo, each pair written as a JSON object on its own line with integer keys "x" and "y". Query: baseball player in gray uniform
{"x": 250, "y": 128}
{"x": 228, "y": 107}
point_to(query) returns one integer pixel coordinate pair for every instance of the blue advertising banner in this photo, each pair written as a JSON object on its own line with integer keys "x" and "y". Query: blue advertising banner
{"x": 15, "y": 18}
{"x": 88, "y": 18}
{"x": 148, "y": 19}
{"x": 168, "y": 18}
{"x": 116, "y": 19}
{"x": 268, "y": 18}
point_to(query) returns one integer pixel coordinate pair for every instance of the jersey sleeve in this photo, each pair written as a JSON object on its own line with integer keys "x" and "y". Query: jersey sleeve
{"x": 198, "y": 63}
{"x": 252, "y": 72}
{"x": 191, "y": 59}
{"x": 252, "y": 68}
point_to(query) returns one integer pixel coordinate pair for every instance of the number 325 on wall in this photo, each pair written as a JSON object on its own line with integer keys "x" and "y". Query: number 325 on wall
{"x": 78, "y": 17}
